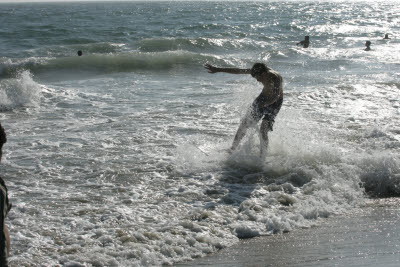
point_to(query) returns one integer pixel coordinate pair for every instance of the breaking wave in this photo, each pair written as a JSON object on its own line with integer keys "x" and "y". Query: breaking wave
{"x": 107, "y": 63}
{"x": 19, "y": 91}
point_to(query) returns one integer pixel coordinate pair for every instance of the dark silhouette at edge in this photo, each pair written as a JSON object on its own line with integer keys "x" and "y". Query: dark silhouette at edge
{"x": 5, "y": 207}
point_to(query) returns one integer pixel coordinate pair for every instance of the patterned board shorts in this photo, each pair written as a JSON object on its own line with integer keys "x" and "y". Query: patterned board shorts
{"x": 268, "y": 113}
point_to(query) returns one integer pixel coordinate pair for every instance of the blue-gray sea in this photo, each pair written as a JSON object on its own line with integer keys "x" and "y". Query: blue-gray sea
{"x": 116, "y": 158}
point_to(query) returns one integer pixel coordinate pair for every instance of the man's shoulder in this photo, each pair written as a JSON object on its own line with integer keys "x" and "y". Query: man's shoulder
{"x": 275, "y": 74}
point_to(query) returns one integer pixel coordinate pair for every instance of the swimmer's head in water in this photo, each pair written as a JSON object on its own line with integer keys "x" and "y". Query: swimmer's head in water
{"x": 367, "y": 43}
{"x": 258, "y": 69}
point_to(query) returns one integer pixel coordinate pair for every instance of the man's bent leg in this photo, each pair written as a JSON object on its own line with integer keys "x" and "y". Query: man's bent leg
{"x": 264, "y": 141}
{"x": 241, "y": 132}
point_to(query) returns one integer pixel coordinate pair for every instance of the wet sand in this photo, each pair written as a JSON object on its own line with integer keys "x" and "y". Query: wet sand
{"x": 368, "y": 238}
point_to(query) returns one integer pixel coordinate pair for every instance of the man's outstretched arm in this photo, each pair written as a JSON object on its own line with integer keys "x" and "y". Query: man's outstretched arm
{"x": 212, "y": 69}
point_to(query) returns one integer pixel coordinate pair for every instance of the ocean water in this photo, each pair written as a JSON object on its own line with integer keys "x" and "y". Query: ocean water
{"x": 116, "y": 158}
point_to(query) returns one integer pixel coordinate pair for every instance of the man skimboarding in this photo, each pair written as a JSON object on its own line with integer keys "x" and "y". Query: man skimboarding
{"x": 266, "y": 106}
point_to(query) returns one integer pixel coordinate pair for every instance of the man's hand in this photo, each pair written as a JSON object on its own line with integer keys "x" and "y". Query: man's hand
{"x": 211, "y": 69}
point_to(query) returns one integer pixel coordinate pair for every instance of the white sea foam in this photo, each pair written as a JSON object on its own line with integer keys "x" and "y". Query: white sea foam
{"x": 19, "y": 91}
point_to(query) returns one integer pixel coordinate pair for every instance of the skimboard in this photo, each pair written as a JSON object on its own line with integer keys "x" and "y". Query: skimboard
{"x": 227, "y": 150}
{"x": 201, "y": 150}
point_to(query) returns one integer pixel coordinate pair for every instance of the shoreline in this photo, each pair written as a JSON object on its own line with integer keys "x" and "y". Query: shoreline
{"x": 367, "y": 238}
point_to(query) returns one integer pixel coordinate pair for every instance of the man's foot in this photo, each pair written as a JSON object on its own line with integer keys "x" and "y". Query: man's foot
{"x": 229, "y": 150}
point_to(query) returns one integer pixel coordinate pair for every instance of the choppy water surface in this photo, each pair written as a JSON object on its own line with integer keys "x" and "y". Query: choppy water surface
{"x": 116, "y": 158}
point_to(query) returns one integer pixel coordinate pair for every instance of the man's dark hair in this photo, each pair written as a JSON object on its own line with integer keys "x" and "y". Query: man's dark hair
{"x": 258, "y": 68}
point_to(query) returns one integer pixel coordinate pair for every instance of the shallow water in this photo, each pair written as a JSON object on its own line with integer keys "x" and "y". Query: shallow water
{"x": 116, "y": 158}
{"x": 366, "y": 238}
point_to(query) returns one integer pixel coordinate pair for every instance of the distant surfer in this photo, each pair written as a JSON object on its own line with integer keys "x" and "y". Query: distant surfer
{"x": 266, "y": 106}
{"x": 80, "y": 53}
{"x": 368, "y": 46}
{"x": 386, "y": 37}
{"x": 5, "y": 207}
{"x": 305, "y": 43}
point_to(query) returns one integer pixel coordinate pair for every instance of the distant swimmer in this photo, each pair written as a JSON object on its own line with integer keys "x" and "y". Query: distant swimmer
{"x": 386, "y": 36}
{"x": 5, "y": 207}
{"x": 368, "y": 45}
{"x": 80, "y": 53}
{"x": 266, "y": 106}
{"x": 305, "y": 43}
